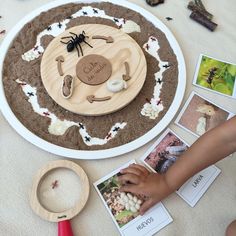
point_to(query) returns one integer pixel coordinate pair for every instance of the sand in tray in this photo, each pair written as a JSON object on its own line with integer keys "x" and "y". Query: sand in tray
{"x": 59, "y": 190}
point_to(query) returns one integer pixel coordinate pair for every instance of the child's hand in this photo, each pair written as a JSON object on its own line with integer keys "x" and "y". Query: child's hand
{"x": 137, "y": 179}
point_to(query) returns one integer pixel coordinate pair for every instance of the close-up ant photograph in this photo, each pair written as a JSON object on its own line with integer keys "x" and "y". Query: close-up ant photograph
{"x": 118, "y": 112}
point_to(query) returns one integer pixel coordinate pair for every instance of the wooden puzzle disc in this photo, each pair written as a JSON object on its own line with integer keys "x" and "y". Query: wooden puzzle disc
{"x": 123, "y": 49}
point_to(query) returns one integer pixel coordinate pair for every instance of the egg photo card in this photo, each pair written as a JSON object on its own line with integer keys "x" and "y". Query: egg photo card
{"x": 165, "y": 152}
{"x": 200, "y": 115}
{"x": 216, "y": 75}
{"x": 124, "y": 208}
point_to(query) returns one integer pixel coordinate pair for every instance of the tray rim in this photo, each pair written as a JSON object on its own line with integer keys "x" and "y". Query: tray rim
{"x": 104, "y": 153}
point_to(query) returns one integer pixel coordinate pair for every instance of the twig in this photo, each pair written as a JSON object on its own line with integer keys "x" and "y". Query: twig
{"x": 203, "y": 20}
{"x": 201, "y": 15}
{"x": 200, "y": 4}
{"x": 193, "y": 7}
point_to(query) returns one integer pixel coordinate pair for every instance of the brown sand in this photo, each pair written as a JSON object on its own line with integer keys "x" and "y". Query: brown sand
{"x": 16, "y": 68}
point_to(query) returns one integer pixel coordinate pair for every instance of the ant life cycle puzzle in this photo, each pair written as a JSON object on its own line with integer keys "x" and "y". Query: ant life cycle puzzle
{"x": 86, "y": 78}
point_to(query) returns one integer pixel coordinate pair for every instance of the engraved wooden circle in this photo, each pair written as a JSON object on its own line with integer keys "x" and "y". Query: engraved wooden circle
{"x": 93, "y": 69}
{"x": 67, "y": 214}
{"x": 123, "y": 49}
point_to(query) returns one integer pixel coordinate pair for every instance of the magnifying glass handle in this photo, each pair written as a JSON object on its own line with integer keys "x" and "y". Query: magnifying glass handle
{"x": 64, "y": 228}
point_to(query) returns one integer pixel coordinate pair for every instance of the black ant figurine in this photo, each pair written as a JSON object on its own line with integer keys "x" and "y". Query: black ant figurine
{"x": 76, "y": 41}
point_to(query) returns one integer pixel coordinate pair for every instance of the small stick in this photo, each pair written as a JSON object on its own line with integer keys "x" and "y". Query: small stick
{"x": 200, "y": 4}
{"x": 108, "y": 39}
{"x": 92, "y": 99}
{"x": 193, "y": 7}
{"x": 203, "y": 20}
{"x": 60, "y": 60}
{"x": 127, "y": 77}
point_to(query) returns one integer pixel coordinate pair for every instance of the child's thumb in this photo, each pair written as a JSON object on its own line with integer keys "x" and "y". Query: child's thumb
{"x": 146, "y": 206}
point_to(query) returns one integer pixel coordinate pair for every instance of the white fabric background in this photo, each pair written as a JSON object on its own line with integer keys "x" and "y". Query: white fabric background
{"x": 19, "y": 160}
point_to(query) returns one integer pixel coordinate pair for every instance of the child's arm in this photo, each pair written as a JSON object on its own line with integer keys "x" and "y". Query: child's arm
{"x": 208, "y": 149}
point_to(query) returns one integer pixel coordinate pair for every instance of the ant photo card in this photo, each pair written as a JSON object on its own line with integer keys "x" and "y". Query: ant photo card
{"x": 216, "y": 75}
{"x": 165, "y": 152}
{"x": 199, "y": 115}
{"x": 124, "y": 208}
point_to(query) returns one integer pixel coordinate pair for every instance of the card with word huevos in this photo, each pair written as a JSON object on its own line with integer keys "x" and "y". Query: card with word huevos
{"x": 124, "y": 208}
{"x": 165, "y": 152}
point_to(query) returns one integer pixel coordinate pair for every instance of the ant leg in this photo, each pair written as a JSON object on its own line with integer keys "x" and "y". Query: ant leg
{"x": 70, "y": 37}
{"x": 70, "y": 41}
{"x": 81, "y": 50}
{"x": 73, "y": 34}
{"x": 88, "y": 44}
{"x": 78, "y": 51}
{"x": 83, "y": 32}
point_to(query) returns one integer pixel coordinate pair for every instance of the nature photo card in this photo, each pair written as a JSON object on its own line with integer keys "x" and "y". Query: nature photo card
{"x": 200, "y": 115}
{"x": 167, "y": 149}
{"x": 216, "y": 75}
{"x": 124, "y": 208}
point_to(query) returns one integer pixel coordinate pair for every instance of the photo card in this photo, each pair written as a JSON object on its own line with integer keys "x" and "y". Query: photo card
{"x": 216, "y": 75}
{"x": 124, "y": 208}
{"x": 165, "y": 152}
{"x": 200, "y": 115}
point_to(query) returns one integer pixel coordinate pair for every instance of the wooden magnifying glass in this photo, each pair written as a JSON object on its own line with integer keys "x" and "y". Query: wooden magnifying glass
{"x": 60, "y": 191}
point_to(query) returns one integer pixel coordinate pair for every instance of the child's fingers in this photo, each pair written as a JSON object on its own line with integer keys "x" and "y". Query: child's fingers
{"x": 131, "y": 170}
{"x": 131, "y": 188}
{"x": 132, "y": 178}
{"x": 146, "y": 206}
{"x": 141, "y": 168}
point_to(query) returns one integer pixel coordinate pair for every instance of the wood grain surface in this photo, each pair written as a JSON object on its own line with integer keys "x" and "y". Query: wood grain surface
{"x": 70, "y": 213}
{"x": 123, "y": 49}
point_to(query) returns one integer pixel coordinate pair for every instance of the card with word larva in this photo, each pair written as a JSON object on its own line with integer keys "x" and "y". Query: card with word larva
{"x": 165, "y": 152}
{"x": 124, "y": 208}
